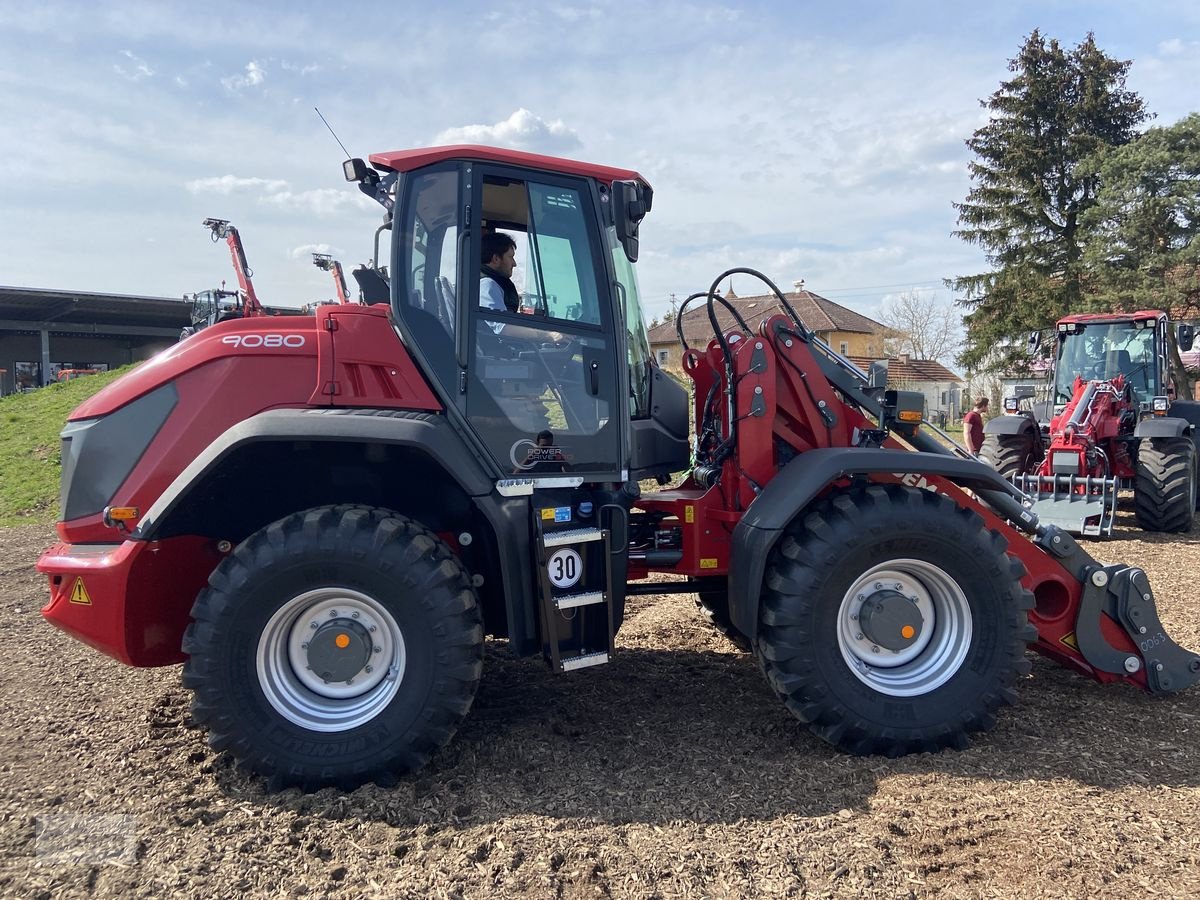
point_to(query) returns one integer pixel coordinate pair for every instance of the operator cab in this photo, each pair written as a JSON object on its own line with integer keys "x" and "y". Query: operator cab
{"x": 559, "y": 381}
{"x": 211, "y": 307}
{"x": 1101, "y": 350}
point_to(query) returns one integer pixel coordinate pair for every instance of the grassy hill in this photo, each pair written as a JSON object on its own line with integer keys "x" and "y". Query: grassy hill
{"x": 29, "y": 446}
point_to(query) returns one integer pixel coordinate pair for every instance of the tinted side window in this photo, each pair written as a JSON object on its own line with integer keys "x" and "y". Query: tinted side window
{"x": 427, "y": 300}
{"x": 562, "y": 274}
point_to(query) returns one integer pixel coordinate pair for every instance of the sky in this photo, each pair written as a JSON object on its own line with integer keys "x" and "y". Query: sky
{"x": 813, "y": 141}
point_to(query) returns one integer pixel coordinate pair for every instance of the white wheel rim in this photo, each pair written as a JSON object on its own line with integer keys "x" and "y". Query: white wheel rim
{"x": 939, "y": 648}
{"x": 300, "y": 694}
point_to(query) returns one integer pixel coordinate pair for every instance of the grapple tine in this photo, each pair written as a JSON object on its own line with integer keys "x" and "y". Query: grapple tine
{"x": 1078, "y": 504}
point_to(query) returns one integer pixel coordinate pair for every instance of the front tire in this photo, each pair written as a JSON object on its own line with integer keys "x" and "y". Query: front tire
{"x": 334, "y": 647}
{"x": 1009, "y": 454}
{"x": 1164, "y": 488}
{"x": 893, "y": 622}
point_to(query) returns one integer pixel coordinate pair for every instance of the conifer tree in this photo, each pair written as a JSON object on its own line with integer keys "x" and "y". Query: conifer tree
{"x": 1030, "y": 189}
{"x": 1142, "y": 250}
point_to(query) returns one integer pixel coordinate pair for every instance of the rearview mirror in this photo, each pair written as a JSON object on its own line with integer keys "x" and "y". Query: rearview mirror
{"x": 877, "y": 376}
{"x": 631, "y": 201}
{"x": 1185, "y": 336}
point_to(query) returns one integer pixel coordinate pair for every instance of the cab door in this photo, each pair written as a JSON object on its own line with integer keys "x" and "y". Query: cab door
{"x": 541, "y": 382}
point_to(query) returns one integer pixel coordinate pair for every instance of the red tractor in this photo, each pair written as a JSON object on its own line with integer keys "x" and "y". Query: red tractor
{"x": 1119, "y": 416}
{"x": 326, "y": 543}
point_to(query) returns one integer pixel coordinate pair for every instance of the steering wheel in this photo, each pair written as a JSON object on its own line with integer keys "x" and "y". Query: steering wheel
{"x": 447, "y": 302}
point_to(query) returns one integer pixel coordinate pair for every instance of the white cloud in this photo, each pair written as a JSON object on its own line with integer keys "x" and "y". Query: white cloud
{"x": 320, "y": 202}
{"x": 232, "y": 184}
{"x": 300, "y": 70}
{"x": 305, "y": 251}
{"x": 135, "y": 70}
{"x": 575, "y": 13}
{"x": 1173, "y": 47}
{"x": 255, "y": 75}
{"x": 521, "y": 131}
{"x": 279, "y": 193}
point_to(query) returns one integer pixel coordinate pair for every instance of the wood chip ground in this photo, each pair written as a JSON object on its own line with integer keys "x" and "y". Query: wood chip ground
{"x": 673, "y": 772}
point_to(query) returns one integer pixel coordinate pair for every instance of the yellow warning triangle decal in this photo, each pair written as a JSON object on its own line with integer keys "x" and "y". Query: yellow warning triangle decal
{"x": 1069, "y": 640}
{"x": 79, "y": 594}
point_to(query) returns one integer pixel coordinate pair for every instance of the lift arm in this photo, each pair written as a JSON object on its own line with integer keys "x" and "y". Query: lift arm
{"x": 221, "y": 228}
{"x": 329, "y": 264}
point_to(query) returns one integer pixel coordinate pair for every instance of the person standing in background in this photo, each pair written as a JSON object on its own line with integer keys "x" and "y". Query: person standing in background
{"x": 973, "y": 425}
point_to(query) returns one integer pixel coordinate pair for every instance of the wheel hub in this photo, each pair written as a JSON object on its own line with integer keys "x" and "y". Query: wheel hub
{"x": 331, "y": 659}
{"x": 890, "y": 620}
{"x": 339, "y": 650}
{"x": 904, "y": 627}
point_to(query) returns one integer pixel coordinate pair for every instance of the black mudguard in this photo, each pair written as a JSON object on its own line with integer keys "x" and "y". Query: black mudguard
{"x": 1162, "y": 428}
{"x": 1011, "y": 424}
{"x": 432, "y": 435}
{"x": 788, "y": 494}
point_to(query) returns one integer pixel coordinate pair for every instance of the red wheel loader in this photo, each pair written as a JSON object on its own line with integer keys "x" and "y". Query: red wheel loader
{"x": 1120, "y": 416}
{"x": 323, "y": 517}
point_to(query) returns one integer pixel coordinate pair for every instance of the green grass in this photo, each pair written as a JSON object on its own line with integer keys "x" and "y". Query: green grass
{"x": 30, "y": 462}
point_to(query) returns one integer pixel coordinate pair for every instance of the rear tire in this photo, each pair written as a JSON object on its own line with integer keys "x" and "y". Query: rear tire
{"x": 889, "y": 545}
{"x": 334, "y": 647}
{"x": 1165, "y": 491}
{"x": 1009, "y": 454}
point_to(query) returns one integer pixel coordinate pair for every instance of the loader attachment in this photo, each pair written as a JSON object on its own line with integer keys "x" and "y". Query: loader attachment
{"x": 1116, "y": 631}
{"x": 1080, "y": 504}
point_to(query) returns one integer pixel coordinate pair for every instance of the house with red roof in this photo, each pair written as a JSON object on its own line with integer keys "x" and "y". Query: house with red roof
{"x": 846, "y": 331}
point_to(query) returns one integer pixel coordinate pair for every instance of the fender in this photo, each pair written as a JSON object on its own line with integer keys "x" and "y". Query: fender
{"x": 1162, "y": 428}
{"x": 1188, "y": 410}
{"x": 1011, "y": 424}
{"x": 429, "y": 433}
{"x": 801, "y": 480}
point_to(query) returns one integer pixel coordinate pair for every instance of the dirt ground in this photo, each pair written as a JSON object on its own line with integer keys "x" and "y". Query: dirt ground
{"x": 672, "y": 772}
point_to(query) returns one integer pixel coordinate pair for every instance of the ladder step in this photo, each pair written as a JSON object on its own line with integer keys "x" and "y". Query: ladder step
{"x": 570, "y": 663}
{"x": 585, "y": 599}
{"x": 574, "y": 536}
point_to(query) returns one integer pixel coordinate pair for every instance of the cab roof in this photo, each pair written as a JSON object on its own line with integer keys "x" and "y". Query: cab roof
{"x": 408, "y": 160}
{"x": 1093, "y": 318}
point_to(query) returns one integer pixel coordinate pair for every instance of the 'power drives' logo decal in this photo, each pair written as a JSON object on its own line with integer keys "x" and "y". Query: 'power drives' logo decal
{"x": 527, "y": 456}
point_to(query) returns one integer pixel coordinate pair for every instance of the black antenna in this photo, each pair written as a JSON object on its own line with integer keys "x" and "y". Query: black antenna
{"x": 335, "y": 137}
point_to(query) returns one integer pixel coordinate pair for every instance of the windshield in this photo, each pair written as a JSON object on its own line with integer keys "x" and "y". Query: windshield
{"x": 1104, "y": 350}
{"x": 635, "y": 327}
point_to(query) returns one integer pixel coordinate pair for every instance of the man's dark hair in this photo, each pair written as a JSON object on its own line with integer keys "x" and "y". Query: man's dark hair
{"x": 547, "y": 437}
{"x": 495, "y": 245}
{"x": 981, "y": 402}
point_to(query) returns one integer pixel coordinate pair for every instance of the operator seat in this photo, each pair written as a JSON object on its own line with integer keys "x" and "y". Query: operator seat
{"x": 372, "y": 286}
{"x": 1135, "y": 375}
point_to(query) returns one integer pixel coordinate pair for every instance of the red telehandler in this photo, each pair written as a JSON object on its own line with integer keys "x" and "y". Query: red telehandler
{"x": 1120, "y": 416}
{"x": 213, "y": 306}
{"x": 326, "y": 547}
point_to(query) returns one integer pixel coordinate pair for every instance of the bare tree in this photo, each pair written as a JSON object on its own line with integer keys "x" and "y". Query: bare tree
{"x": 919, "y": 325}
